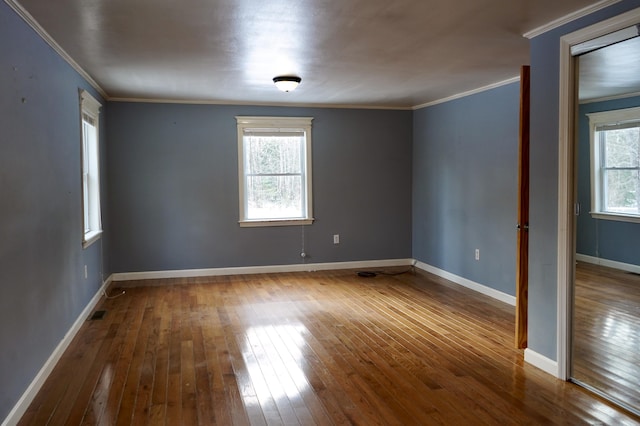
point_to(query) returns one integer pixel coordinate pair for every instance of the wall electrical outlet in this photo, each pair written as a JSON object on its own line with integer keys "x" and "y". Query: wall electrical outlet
{"x": 477, "y": 254}
{"x": 336, "y": 238}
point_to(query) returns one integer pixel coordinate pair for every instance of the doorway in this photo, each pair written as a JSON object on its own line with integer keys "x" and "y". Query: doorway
{"x": 583, "y": 318}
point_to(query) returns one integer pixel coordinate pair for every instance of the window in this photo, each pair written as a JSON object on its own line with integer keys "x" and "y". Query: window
{"x": 274, "y": 160}
{"x": 615, "y": 164}
{"x": 90, "y": 110}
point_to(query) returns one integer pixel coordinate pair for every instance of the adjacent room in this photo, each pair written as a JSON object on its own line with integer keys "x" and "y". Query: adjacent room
{"x": 239, "y": 212}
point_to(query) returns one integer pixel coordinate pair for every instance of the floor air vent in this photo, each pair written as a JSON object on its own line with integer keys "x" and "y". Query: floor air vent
{"x": 98, "y": 315}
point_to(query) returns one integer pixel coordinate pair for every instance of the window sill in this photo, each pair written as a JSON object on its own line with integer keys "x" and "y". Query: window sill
{"x": 616, "y": 217}
{"x": 275, "y": 222}
{"x": 90, "y": 238}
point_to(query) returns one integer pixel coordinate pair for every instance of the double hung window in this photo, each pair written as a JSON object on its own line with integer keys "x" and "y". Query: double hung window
{"x": 615, "y": 164}
{"x": 92, "y": 224}
{"x": 274, "y": 155}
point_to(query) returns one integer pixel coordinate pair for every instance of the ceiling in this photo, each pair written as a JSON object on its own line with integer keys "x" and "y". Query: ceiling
{"x": 369, "y": 53}
{"x": 610, "y": 72}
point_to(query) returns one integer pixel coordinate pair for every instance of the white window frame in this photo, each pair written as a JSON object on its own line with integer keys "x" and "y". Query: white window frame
{"x": 597, "y": 120}
{"x": 276, "y": 124}
{"x": 90, "y": 168}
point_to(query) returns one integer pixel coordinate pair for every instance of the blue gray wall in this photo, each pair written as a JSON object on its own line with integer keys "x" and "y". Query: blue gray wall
{"x": 465, "y": 186}
{"x": 173, "y": 188}
{"x": 543, "y": 235}
{"x": 606, "y": 239}
{"x": 42, "y": 285}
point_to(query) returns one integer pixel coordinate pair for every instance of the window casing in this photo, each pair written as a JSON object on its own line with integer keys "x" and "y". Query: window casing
{"x": 274, "y": 163}
{"x": 615, "y": 164}
{"x": 90, "y": 149}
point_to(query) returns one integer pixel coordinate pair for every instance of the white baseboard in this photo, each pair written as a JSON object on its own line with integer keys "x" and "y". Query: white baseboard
{"x": 303, "y": 267}
{"x": 306, "y": 267}
{"x": 487, "y": 291}
{"x": 628, "y": 267}
{"x": 542, "y": 362}
{"x": 27, "y": 397}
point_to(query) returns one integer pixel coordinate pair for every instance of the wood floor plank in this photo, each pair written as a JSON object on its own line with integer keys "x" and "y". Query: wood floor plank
{"x": 291, "y": 360}
{"x": 173, "y": 412}
{"x": 132, "y": 383}
{"x": 325, "y": 388}
{"x": 225, "y": 397}
{"x": 248, "y": 396}
{"x": 323, "y": 348}
{"x": 203, "y": 387}
{"x": 81, "y": 412}
{"x": 124, "y": 356}
{"x": 606, "y": 331}
{"x": 158, "y": 397}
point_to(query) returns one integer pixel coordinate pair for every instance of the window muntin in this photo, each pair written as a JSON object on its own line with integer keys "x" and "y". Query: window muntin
{"x": 274, "y": 170}
{"x": 91, "y": 218}
{"x": 615, "y": 164}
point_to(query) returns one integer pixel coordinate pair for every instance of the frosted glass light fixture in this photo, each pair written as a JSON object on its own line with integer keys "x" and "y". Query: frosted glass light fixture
{"x": 286, "y": 83}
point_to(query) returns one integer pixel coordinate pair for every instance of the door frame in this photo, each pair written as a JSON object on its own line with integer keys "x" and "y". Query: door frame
{"x": 567, "y": 180}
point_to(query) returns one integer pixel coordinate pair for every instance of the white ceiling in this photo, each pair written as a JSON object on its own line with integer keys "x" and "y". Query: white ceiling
{"x": 373, "y": 53}
{"x": 611, "y": 71}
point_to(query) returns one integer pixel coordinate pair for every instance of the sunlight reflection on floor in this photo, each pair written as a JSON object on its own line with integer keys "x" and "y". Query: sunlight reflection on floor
{"x": 274, "y": 358}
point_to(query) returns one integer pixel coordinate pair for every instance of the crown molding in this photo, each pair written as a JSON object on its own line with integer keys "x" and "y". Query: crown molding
{"x": 469, "y": 93}
{"x": 569, "y": 18}
{"x": 609, "y": 98}
{"x": 241, "y": 103}
{"x": 31, "y": 21}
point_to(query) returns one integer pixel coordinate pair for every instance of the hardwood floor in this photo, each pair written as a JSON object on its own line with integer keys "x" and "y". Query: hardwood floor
{"x": 306, "y": 348}
{"x": 606, "y": 339}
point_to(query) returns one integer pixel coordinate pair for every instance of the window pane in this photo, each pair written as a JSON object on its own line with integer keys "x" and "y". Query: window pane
{"x": 273, "y": 197}
{"x": 88, "y": 136}
{"x": 273, "y": 155}
{"x": 85, "y": 200}
{"x": 621, "y": 192}
{"x": 622, "y": 148}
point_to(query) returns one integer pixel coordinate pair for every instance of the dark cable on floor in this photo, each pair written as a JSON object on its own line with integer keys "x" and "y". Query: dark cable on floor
{"x": 371, "y": 274}
{"x": 104, "y": 292}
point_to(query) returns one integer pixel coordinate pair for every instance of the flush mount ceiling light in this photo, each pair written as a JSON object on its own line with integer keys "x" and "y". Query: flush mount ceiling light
{"x": 286, "y": 83}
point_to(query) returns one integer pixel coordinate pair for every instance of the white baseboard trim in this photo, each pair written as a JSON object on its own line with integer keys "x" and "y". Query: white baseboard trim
{"x": 246, "y": 270}
{"x": 542, "y": 362}
{"x": 487, "y": 291}
{"x": 27, "y": 397}
{"x": 628, "y": 267}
